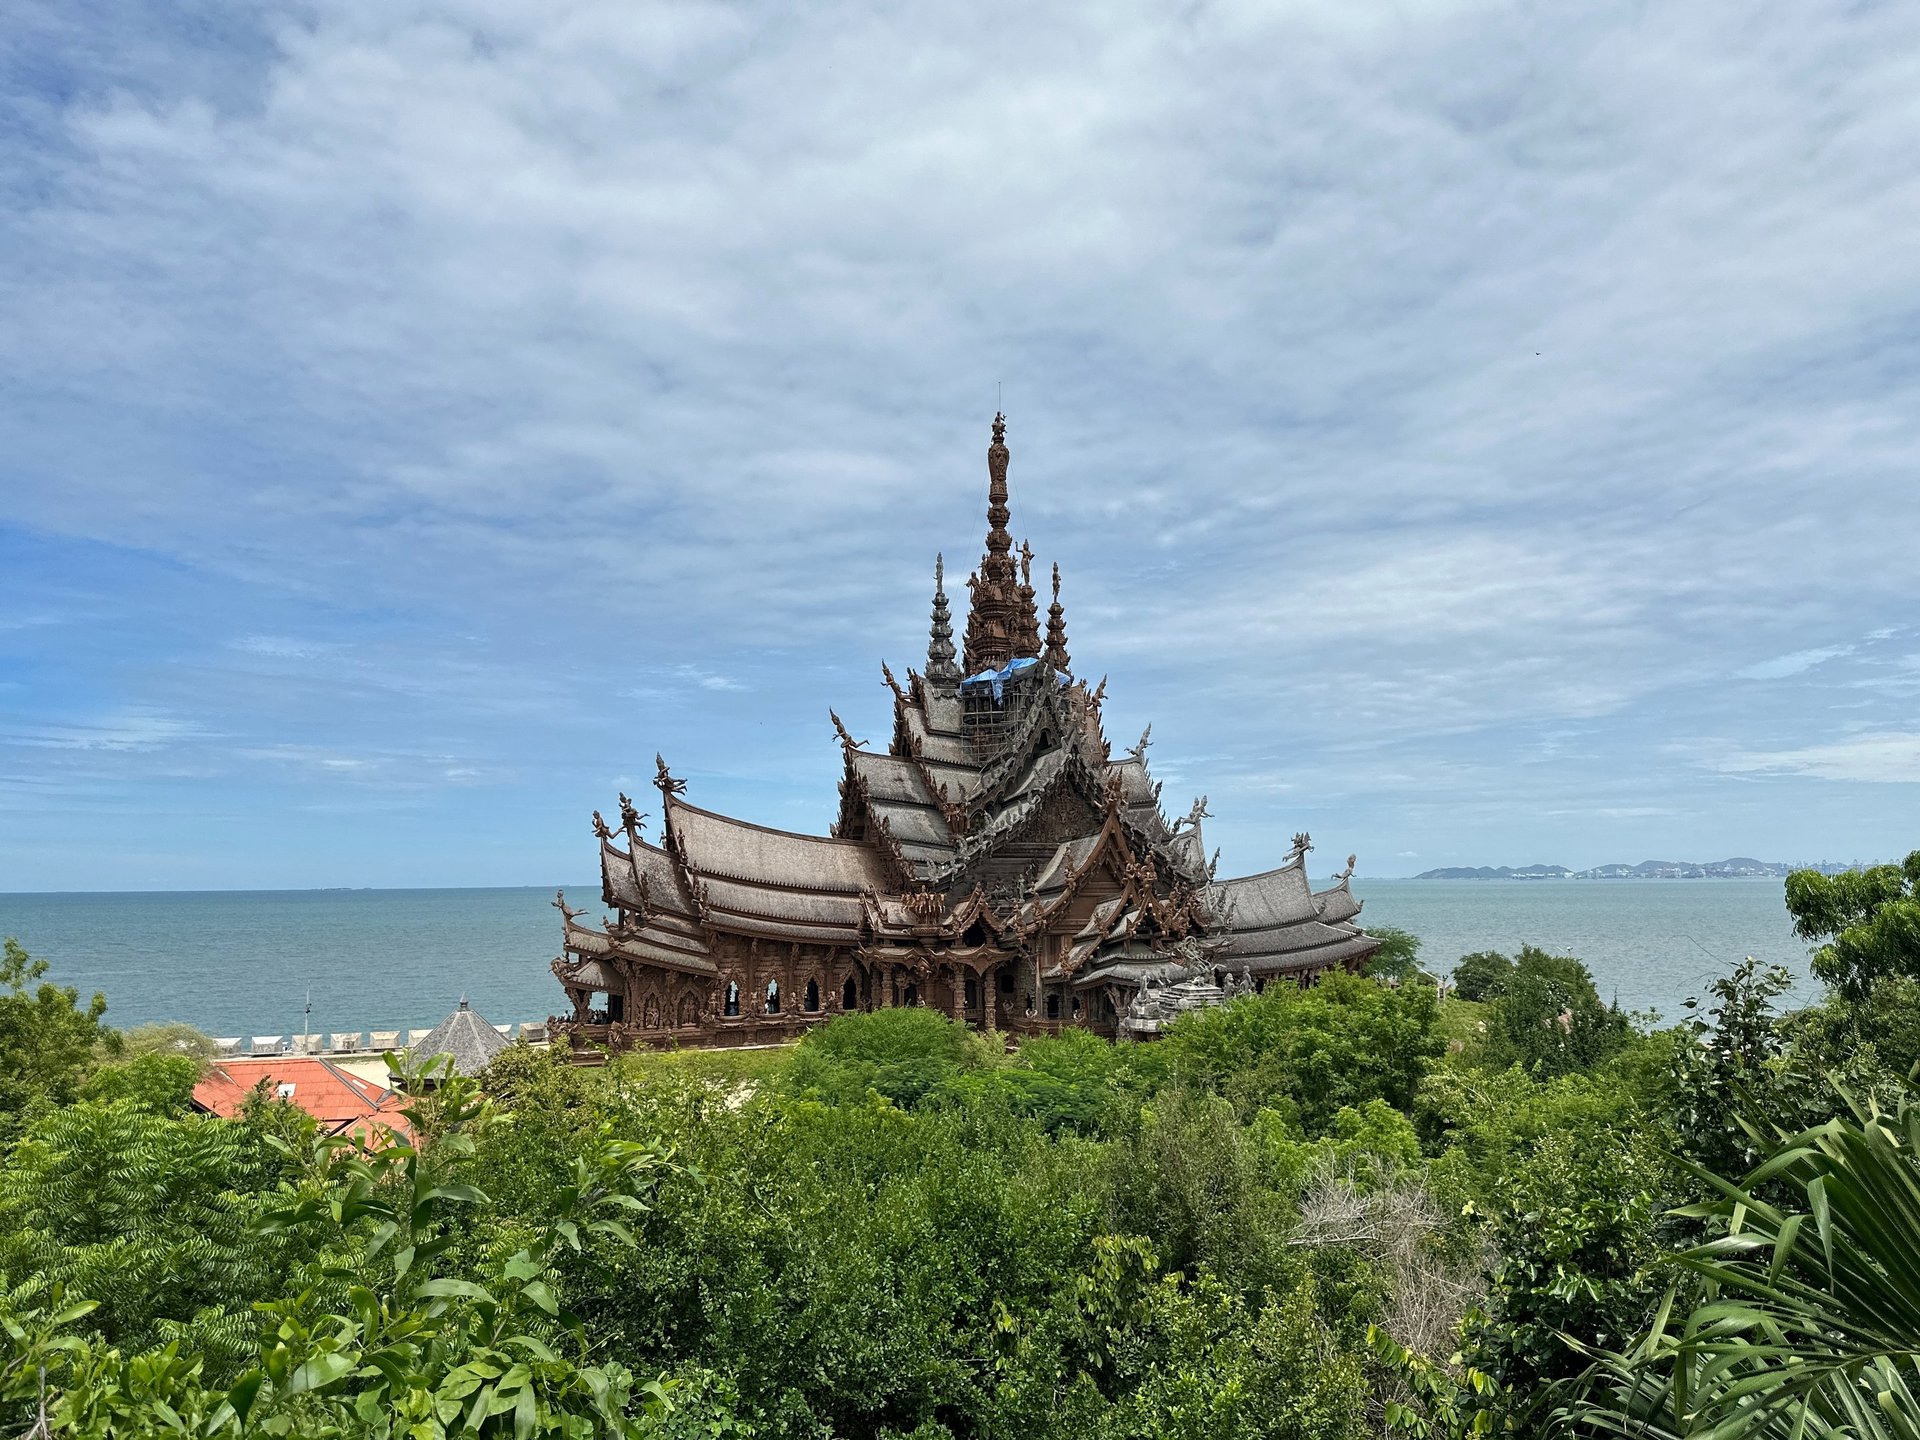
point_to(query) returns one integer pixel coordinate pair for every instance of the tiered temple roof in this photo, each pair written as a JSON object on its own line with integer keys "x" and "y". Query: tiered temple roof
{"x": 997, "y": 859}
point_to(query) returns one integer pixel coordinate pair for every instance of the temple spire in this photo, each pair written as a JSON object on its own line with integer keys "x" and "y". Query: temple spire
{"x": 942, "y": 672}
{"x": 1026, "y": 620}
{"x": 995, "y": 632}
{"x": 998, "y": 565}
{"x": 1057, "y": 657}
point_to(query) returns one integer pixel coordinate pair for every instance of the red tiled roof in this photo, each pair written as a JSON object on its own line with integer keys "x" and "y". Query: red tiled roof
{"x": 340, "y": 1100}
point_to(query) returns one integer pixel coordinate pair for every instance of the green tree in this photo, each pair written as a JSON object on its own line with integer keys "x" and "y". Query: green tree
{"x": 905, "y": 1054}
{"x": 1574, "y": 1228}
{"x": 1868, "y": 919}
{"x": 1549, "y": 1019}
{"x": 1481, "y": 975}
{"x": 1398, "y": 957}
{"x": 377, "y": 1334}
{"x": 1343, "y": 1041}
{"x": 47, "y": 1040}
{"x": 169, "y": 1037}
{"x": 1727, "y": 1055}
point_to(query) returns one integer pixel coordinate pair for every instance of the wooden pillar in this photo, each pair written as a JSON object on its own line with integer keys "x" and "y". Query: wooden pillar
{"x": 960, "y": 995}
{"x": 989, "y": 993}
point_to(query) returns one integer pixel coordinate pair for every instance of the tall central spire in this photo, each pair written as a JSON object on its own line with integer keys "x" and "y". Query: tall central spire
{"x": 1000, "y": 624}
{"x": 999, "y": 542}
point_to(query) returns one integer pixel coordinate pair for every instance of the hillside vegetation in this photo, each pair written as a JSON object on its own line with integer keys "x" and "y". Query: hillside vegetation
{"x": 1342, "y": 1211}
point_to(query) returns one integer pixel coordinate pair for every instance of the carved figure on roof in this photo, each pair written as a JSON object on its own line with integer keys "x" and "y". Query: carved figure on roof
{"x": 631, "y": 820}
{"x": 1191, "y": 820}
{"x": 841, "y": 730}
{"x": 1138, "y": 754}
{"x": 995, "y": 860}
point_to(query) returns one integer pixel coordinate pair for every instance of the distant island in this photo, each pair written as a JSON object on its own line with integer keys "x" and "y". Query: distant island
{"x": 1739, "y": 868}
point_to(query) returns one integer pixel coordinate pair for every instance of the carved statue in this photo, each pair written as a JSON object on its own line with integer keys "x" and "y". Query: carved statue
{"x": 664, "y": 778}
{"x": 1191, "y": 820}
{"x": 847, "y": 741}
{"x": 1139, "y": 751}
{"x": 631, "y": 820}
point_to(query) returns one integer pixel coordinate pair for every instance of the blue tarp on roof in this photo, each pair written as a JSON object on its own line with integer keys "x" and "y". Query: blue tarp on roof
{"x": 998, "y": 678}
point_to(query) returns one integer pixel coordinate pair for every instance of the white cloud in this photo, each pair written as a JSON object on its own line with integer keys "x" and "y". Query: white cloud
{"x": 1798, "y": 662}
{"x": 1886, "y": 757}
{"x": 1393, "y": 385}
{"x": 135, "y": 730}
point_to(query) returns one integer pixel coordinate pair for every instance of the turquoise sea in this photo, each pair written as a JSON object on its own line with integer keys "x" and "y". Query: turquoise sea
{"x": 244, "y": 962}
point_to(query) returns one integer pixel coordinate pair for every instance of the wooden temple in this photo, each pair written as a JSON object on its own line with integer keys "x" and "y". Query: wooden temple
{"x": 998, "y": 862}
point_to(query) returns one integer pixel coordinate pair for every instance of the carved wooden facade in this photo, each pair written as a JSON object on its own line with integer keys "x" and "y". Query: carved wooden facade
{"x": 996, "y": 862}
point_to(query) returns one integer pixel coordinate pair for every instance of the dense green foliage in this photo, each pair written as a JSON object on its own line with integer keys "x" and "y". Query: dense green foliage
{"x": 1347, "y": 1210}
{"x": 1809, "y": 1310}
{"x": 1868, "y": 919}
{"x": 46, "y": 1038}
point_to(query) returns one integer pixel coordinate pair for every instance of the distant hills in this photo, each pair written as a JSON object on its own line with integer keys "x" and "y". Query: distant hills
{"x": 1738, "y": 868}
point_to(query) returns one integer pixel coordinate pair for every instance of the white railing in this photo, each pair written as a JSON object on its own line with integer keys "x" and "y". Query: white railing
{"x": 354, "y": 1042}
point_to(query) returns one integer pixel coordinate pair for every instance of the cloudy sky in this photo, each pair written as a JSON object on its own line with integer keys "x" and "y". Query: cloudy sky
{"x": 1476, "y": 433}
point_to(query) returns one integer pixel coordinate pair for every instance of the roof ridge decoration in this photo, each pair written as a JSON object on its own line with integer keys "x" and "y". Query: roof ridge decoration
{"x": 847, "y": 742}
{"x": 663, "y": 778}
{"x": 1139, "y": 750}
{"x": 1191, "y": 820}
{"x": 1302, "y": 843}
{"x": 631, "y": 820}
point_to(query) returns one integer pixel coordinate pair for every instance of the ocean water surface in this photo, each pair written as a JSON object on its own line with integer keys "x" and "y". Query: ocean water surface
{"x": 244, "y": 962}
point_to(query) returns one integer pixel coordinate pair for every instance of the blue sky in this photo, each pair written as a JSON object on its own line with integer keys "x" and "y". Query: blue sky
{"x": 1476, "y": 433}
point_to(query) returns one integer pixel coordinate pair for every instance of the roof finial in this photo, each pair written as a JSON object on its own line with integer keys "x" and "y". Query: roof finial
{"x": 664, "y": 778}
{"x": 1057, "y": 656}
{"x": 631, "y": 820}
{"x": 847, "y": 741}
{"x": 942, "y": 673}
{"x": 1139, "y": 751}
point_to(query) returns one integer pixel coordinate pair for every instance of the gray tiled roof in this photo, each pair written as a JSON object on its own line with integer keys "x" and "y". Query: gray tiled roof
{"x": 715, "y": 845}
{"x": 464, "y": 1035}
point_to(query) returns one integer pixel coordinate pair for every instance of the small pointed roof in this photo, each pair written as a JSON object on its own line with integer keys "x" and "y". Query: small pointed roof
{"x": 467, "y": 1037}
{"x": 1057, "y": 656}
{"x": 942, "y": 671}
